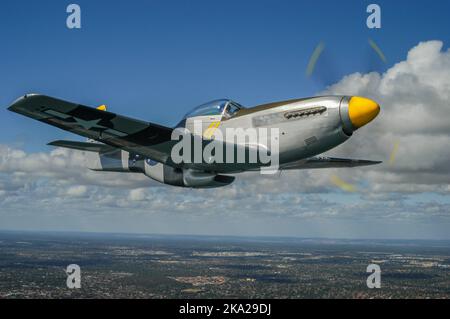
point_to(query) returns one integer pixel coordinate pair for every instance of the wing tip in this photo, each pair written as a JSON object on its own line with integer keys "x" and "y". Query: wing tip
{"x": 368, "y": 162}
{"x": 13, "y": 107}
{"x": 54, "y": 143}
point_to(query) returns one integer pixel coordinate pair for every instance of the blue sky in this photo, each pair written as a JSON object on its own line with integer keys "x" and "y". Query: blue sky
{"x": 155, "y": 60}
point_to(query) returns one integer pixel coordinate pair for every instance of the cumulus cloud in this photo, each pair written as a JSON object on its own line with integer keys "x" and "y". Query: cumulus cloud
{"x": 414, "y": 95}
{"x": 61, "y": 164}
{"x": 76, "y": 191}
{"x": 137, "y": 194}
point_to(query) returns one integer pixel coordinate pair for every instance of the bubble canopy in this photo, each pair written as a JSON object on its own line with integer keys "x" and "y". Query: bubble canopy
{"x": 217, "y": 107}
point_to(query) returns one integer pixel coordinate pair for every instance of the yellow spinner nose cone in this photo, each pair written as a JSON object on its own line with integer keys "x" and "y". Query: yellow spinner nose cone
{"x": 362, "y": 110}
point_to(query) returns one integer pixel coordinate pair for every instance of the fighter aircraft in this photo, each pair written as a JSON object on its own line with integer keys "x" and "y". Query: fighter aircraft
{"x": 305, "y": 128}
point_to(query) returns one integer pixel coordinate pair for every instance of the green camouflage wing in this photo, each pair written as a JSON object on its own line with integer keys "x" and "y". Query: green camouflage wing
{"x": 151, "y": 140}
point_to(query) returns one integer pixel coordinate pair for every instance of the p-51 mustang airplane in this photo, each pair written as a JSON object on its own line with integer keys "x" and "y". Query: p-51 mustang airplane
{"x": 307, "y": 127}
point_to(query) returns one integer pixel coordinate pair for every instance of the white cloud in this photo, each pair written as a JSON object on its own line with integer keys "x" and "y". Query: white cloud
{"x": 76, "y": 191}
{"x": 414, "y": 95}
{"x": 137, "y": 194}
{"x": 64, "y": 165}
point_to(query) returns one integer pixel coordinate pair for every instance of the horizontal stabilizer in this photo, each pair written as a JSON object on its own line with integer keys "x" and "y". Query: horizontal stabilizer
{"x": 83, "y": 146}
{"x": 327, "y": 162}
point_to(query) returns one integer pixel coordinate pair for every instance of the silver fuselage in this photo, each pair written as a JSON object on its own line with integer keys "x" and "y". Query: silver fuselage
{"x": 301, "y": 135}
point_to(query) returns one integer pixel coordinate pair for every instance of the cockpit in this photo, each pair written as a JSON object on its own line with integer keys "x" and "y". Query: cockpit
{"x": 226, "y": 108}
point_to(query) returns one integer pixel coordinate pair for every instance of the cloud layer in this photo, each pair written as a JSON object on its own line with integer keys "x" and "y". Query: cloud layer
{"x": 414, "y": 95}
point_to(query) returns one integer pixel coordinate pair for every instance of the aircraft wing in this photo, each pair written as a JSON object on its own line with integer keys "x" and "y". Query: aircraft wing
{"x": 148, "y": 139}
{"x": 83, "y": 146}
{"x": 327, "y": 162}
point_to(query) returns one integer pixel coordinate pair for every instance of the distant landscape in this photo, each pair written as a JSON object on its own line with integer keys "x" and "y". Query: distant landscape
{"x": 32, "y": 265}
